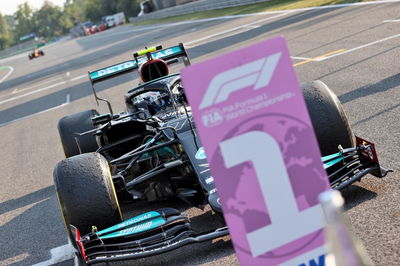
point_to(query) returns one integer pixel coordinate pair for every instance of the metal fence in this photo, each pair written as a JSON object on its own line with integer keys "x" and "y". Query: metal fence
{"x": 196, "y": 6}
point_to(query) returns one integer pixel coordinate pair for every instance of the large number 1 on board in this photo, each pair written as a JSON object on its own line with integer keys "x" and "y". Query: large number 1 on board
{"x": 287, "y": 222}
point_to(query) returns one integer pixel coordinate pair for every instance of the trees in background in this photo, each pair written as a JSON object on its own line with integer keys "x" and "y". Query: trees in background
{"x": 5, "y": 37}
{"x": 52, "y": 21}
{"x": 95, "y": 9}
{"x": 129, "y": 7}
{"x": 24, "y": 21}
{"x": 48, "y": 21}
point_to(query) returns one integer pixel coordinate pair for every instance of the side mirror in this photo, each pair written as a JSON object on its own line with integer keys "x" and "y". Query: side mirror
{"x": 101, "y": 119}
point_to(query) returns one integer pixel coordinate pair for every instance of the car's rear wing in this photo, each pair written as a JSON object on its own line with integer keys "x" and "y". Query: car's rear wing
{"x": 140, "y": 57}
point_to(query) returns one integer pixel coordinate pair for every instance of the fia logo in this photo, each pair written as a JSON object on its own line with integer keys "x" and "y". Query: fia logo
{"x": 213, "y": 117}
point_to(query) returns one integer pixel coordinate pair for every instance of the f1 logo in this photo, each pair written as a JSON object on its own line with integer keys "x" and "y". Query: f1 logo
{"x": 257, "y": 73}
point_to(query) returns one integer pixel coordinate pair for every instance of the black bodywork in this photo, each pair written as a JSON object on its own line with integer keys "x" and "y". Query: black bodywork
{"x": 162, "y": 163}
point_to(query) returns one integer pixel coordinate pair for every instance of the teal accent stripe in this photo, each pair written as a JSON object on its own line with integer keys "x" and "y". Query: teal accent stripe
{"x": 132, "y": 221}
{"x": 102, "y": 73}
{"x": 167, "y": 52}
{"x": 333, "y": 162}
{"x": 144, "y": 226}
{"x": 330, "y": 157}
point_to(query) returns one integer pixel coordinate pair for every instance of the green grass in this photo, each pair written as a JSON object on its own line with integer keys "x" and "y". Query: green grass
{"x": 273, "y": 5}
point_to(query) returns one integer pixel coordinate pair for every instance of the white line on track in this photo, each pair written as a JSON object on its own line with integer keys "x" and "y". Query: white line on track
{"x": 252, "y": 27}
{"x": 36, "y": 85}
{"x": 346, "y": 5}
{"x": 79, "y": 77}
{"x": 207, "y": 20}
{"x": 300, "y": 58}
{"x": 358, "y": 47}
{"x": 391, "y": 20}
{"x": 8, "y": 74}
{"x": 59, "y": 254}
{"x": 67, "y": 101}
{"x": 41, "y": 89}
{"x": 32, "y": 92}
{"x": 190, "y": 44}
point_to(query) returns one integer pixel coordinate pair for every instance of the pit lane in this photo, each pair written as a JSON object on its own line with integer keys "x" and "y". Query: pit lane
{"x": 34, "y": 96}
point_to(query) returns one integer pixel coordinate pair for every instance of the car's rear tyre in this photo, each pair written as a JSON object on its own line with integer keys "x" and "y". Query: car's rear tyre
{"x": 41, "y": 53}
{"x": 86, "y": 193}
{"x": 328, "y": 117}
{"x": 69, "y": 128}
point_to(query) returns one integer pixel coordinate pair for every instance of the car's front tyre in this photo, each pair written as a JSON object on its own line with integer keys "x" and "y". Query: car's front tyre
{"x": 330, "y": 122}
{"x": 86, "y": 193}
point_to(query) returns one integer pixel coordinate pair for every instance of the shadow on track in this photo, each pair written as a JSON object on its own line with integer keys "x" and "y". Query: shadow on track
{"x": 193, "y": 254}
{"x": 375, "y": 115}
{"x": 381, "y": 86}
{"x": 360, "y": 12}
{"x": 57, "y": 98}
{"x": 355, "y": 195}
{"x": 26, "y": 243}
{"x": 315, "y": 16}
{"x": 21, "y": 234}
{"x": 32, "y": 198}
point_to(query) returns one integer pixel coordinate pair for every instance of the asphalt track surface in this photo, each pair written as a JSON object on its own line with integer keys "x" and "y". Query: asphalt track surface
{"x": 353, "y": 49}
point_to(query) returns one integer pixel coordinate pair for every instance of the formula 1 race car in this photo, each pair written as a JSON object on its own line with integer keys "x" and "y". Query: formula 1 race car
{"x": 152, "y": 152}
{"x": 35, "y": 53}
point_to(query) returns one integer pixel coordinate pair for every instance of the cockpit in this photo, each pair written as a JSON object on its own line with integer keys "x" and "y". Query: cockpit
{"x": 153, "y": 103}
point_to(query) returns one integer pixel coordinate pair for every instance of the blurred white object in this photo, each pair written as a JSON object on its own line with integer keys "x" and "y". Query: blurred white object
{"x": 344, "y": 249}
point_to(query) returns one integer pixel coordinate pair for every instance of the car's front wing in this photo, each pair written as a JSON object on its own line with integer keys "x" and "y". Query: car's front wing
{"x": 144, "y": 235}
{"x": 350, "y": 165}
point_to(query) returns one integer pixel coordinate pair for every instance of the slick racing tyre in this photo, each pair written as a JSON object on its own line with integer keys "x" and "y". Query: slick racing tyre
{"x": 328, "y": 117}
{"x": 69, "y": 128}
{"x": 86, "y": 193}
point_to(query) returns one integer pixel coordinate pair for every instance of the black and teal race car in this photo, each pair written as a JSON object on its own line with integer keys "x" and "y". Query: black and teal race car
{"x": 151, "y": 152}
